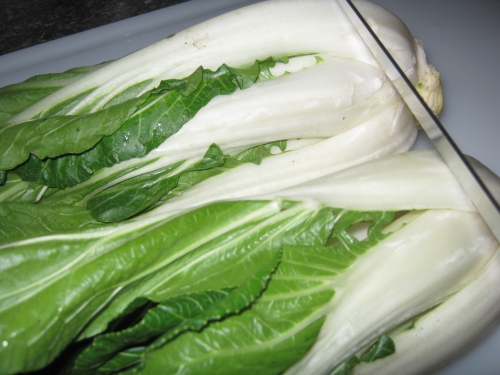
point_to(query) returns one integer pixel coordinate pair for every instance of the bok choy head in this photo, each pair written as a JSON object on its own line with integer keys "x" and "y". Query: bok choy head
{"x": 91, "y": 110}
{"x": 294, "y": 277}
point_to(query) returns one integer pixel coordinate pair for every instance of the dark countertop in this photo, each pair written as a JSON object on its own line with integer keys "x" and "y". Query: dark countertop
{"x": 25, "y": 23}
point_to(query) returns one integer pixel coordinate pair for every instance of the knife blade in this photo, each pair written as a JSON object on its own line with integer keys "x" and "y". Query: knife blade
{"x": 477, "y": 190}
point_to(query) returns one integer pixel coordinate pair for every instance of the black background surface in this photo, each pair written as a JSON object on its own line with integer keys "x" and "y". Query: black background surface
{"x": 25, "y": 23}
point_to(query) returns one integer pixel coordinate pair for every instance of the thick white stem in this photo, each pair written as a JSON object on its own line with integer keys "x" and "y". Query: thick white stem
{"x": 321, "y": 101}
{"x": 271, "y": 28}
{"x": 382, "y": 134}
{"x": 446, "y": 331}
{"x": 406, "y": 181}
{"x": 409, "y": 272}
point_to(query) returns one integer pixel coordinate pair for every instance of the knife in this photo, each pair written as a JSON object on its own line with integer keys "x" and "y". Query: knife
{"x": 477, "y": 190}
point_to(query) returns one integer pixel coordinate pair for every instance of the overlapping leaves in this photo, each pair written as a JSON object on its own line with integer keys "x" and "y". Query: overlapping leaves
{"x": 284, "y": 320}
{"x": 63, "y": 150}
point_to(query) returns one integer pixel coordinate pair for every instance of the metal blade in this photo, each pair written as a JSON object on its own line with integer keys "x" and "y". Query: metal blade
{"x": 476, "y": 189}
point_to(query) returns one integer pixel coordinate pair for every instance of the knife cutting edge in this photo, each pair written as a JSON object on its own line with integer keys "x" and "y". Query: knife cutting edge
{"x": 477, "y": 190}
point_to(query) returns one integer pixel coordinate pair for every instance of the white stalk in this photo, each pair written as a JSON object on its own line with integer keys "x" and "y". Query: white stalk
{"x": 406, "y": 181}
{"x": 410, "y": 271}
{"x": 389, "y": 131}
{"x": 446, "y": 331}
{"x": 318, "y": 102}
{"x": 270, "y": 28}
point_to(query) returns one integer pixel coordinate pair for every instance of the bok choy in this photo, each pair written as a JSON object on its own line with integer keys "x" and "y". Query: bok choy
{"x": 470, "y": 312}
{"x": 294, "y": 277}
{"x": 100, "y": 122}
{"x": 238, "y": 189}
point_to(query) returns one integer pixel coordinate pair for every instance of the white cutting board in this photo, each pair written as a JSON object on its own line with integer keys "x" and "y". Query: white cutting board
{"x": 461, "y": 38}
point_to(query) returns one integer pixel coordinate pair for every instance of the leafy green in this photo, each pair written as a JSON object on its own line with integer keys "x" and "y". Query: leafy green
{"x": 70, "y": 73}
{"x": 167, "y": 108}
{"x": 91, "y": 279}
{"x": 223, "y": 262}
{"x": 139, "y": 193}
{"x": 382, "y": 348}
{"x": 59, "y": 135}
{"x": 252, "y": 342}
{"x": 191, "y": 177}
{"x": 285, "y": 320}
{"x": 21, "y": 220}
{"x": 170, "y": 318}
{"x": 14, "y": 189}
{"x": 93, "y": 274}
{"x": 17, "y": 97}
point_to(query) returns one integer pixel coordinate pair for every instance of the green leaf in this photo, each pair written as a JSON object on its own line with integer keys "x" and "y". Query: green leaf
{"x": 59, "y": 135}
{"x": 348, "y": 366}
{"x": 70, "y": 73}
{"x": 140, "y": 193}
{"x": 53, "y": 286}
{"x": 185, "y": 86}
{"x": 130, "y": 197}
{"x": 15, "y": 189}
{"x": 246, "y": 77}
{"x": 278, "y": 329}
{"x": 78, "y": 283}
{"x": 16, "y": 98}
{"x": 124, "y": 360}
{"x": 170, "y": 318}
{"x": 254, "y": 155}
{"x": 265, "y": 65}
{"x": 382, "y": 348}
{"x": 168, "y": 108}
{"x": 23, "y": 220}
{"x": 212, "y": 265}
{"x": 346, "y": 219}
{"x": 248, "y": 343}
{"x": 257, "y": 153}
